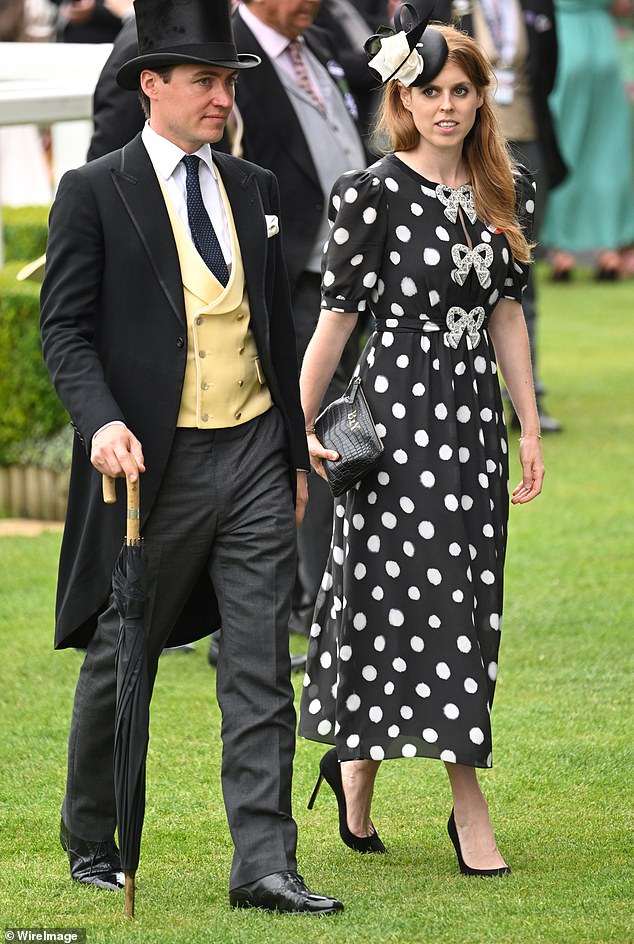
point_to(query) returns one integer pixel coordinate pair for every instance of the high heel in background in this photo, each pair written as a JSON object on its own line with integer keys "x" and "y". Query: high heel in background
{"x": 608, "y": 266}
{"x": 464, "y": 868}
{"x": 562, "y": 266}
{"x": 330, "y": 771}
{"x": 562, "y": 275}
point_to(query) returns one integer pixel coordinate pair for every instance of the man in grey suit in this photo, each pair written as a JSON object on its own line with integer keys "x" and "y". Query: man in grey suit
{"x": 166, "y": 321}
{"x": 300, "y": 121}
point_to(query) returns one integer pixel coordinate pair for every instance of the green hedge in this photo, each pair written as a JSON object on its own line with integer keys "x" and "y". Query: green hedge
{"x": 25, "y": 232}
{"x": 30, "y": 408}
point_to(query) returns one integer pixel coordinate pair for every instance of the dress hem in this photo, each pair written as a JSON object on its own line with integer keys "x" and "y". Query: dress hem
{"x": 352, "y": 754}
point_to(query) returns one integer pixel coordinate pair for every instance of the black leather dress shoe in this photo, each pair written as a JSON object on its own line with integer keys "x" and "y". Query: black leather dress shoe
{"x": 93, "y": 863}
{"x": 283, "y": 891}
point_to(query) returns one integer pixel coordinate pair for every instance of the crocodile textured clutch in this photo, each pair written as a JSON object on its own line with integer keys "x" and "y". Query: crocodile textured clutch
{"x": 346, "y": 425}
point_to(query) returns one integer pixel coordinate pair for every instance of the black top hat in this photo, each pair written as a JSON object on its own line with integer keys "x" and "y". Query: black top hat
{"x": 173, "y": 32}
{"x": 427, "y": 41}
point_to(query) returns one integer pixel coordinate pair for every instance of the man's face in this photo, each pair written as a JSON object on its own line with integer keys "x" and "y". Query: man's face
{"x": 289, "y": 17}
{"x": 192, "y": 107}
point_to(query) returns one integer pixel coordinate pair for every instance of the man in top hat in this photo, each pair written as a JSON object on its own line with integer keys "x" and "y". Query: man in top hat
{"x": 166, "y": 327}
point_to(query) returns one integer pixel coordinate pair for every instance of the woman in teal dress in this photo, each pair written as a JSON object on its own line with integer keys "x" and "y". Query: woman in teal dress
{"x": 593, "y": 210}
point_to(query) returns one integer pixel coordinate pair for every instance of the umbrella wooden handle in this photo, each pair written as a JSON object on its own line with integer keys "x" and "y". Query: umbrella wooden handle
{"x": 133, "y": 516}
{"x": 108, "y": 490}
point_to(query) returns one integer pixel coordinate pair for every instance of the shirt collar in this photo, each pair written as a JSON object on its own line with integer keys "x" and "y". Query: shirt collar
{"x": 166, "y": 156}
{"x": 272, "y": 42}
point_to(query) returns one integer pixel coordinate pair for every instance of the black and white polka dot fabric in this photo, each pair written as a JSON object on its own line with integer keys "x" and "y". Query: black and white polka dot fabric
{"x": 404, "y": 645}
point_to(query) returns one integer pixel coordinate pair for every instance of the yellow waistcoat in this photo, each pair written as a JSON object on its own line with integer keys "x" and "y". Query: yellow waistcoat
{"x": 224, "y": 385}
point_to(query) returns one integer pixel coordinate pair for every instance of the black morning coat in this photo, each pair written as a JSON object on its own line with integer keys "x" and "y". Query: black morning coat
{"x": 114, "y": 340}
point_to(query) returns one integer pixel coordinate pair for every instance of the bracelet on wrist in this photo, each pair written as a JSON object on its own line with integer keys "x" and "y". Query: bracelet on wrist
{"x": 310, "y": 430}
{"x": 530, "y": 436}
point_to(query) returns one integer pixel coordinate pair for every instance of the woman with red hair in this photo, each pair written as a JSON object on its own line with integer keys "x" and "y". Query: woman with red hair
{"x": 404, "y": 650}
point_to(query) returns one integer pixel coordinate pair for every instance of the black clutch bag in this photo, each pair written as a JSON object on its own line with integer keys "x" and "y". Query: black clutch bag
{"x": 347, "y": 427}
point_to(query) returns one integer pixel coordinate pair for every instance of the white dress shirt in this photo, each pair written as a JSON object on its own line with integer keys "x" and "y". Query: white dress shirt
{"x": 166, "y": 159}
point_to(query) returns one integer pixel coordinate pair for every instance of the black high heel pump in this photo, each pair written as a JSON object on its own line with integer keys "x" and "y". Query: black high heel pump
{"x": 330, "y": 771}
{"x": 464, "y": 868}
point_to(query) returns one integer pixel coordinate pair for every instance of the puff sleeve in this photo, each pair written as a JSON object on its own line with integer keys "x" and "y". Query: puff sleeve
{"x": 353, "y": 252}
{"x": 518, "y": 272}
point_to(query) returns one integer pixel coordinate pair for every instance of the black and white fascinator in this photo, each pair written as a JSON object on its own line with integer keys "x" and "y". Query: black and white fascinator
{"x": 412, "y": 52}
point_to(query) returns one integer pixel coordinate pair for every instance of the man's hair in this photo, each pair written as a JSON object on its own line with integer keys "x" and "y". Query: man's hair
{"x": 165, "y": 73}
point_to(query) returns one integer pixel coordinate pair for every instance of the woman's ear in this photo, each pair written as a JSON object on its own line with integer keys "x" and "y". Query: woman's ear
{"x": 406, "y": 96}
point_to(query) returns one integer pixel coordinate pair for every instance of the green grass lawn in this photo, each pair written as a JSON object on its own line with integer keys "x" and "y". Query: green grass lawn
{"x": 560, "y": 792}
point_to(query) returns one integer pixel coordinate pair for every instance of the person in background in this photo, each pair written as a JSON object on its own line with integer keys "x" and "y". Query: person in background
{"x": 373, "y": 11}
{"x": 348, "y": 31}
{"x": 300, "y": 121}
{"x": 25, "y": 175}
{"x": 123, "y": 9}
{"x": 593, "y": 211}
{"x": 403, "y": 658}
{"x": 165, "y": 327}
{"x": 117, "y": 112}
{"x": 40, "y": 16}
{"x": 86, "y": 21}
{"x": 12, "y": 22}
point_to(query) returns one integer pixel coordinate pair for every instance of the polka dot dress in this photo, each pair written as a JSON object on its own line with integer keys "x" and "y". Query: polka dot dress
{"x": 403, "y": 654}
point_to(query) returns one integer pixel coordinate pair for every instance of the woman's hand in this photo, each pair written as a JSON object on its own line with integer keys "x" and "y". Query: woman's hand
{"x": 318, "y": 453}
{"x": 532, "y": 470}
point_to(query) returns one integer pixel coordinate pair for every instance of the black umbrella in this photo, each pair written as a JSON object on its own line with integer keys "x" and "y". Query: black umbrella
{"x": 132, "y": 713}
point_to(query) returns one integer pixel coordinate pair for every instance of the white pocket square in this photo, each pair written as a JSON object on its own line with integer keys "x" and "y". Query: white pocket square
{"x": 272, "y": 225}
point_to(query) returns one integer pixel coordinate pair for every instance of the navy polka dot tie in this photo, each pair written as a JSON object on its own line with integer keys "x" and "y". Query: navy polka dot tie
{"x": 203, "y": 233}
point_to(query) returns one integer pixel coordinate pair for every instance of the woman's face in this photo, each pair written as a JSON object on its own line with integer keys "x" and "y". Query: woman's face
{"x": 445, "y": 110}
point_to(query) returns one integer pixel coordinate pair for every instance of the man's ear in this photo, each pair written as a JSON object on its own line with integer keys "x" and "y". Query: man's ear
{"x": 148, "y": 81}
